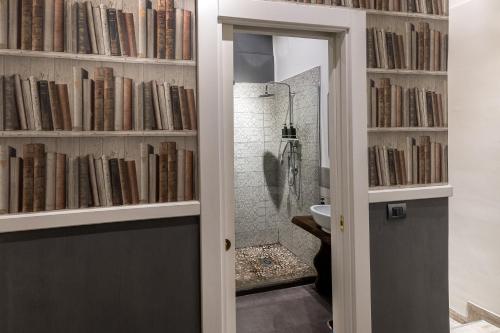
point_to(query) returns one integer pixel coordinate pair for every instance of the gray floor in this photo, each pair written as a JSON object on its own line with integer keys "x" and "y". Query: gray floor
{"x": 291, "y": 310}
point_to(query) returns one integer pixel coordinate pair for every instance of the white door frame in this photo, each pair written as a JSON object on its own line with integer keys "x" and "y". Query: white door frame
{"x": 348, "y": 152}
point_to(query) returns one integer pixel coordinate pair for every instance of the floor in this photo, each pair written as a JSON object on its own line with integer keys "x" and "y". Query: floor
{"x": 475, "y": 327}
{"x": 292, "y": 310}
{"x": 261, "y": 266}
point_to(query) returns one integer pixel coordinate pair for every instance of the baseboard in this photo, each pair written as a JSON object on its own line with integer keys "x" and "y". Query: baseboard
{"x": 475, "y": 313}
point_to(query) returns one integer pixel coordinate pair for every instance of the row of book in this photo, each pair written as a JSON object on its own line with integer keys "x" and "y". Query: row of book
{"x": 79, "y": 27}
{"x": 420, "y": 48}
{"x": 421, "y": 162}
{"x": 105, "y": 103}
{"x": 395, "y": 106}
{"x": 433, "y": 7}
{"x": 44, "y": 181}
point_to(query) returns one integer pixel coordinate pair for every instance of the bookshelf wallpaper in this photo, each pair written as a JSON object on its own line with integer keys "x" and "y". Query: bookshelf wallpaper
{"x": 93, "y": 117}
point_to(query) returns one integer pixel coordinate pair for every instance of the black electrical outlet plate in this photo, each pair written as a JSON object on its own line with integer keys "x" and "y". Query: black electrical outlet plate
{"x": 396, "y": 211}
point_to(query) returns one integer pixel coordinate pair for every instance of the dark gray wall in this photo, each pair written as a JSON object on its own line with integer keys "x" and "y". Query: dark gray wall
{"x": 253, "y": 58}
{"x": 141, "y": 276}
{"x": 409, "y": 268}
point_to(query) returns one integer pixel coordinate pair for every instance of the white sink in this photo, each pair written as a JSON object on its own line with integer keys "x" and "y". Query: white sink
{"x": 321, "y": 214}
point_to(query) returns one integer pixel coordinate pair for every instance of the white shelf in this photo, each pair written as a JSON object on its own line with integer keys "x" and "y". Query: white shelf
{"x": 405, "y": 14}
{"x": 406, "y": 129}
{"x": 414, "y": 192}
{"x": 94, "y": 134}
{"x": 95, "y": 57}
{"x": 89, "y": 216}
{"x": 405, "y": 72}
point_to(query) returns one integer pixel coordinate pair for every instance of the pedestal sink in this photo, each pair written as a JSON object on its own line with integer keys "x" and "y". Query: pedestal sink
{"x": 321, "y": 215}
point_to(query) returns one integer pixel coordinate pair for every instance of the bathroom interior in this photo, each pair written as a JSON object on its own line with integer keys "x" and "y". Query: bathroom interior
{"x": 281, "y": 167}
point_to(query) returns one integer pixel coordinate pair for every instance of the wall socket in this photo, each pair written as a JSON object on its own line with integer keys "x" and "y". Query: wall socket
{"x": 396, "y": 211}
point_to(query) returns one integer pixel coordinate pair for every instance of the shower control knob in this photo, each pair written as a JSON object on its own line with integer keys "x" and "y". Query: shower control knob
{"x": 228, "y": 244}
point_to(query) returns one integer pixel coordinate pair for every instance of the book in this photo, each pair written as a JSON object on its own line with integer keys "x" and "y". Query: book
{"x": 26, "y": 22}
{"x": 176, "y": 108}
{"x": 50, "y": 186}
{"x": 85, "y": 194}
{"x": 99, "y": 99}
{"x": 170, "y": 34}
{"x": 130, "y": 28}
{"x": 168, "y": 101}
{"x": 62, "y": 92}
{"x": 139, "y": 106}
{"x": 153, "y": 178}
{"x": 162, "y": 102}
{"x": 181, "y": 168}
{"x": 37, "y": 25}
{"x": 73, "y": 197}
{"x": 6, "y": 153}
{"x": 146, "y": 151}
{"x": 186, "y": 35}
{"x": 60, "y": 201}
{"x": 116, "y": 187}
{"x": 122, "y": 33}
{"x": 4, "y": 24}
{"x": 114, "y": 38}
{"x": 55, "y": 107}
{"x": 108, "y": 99}
{"x": 48, "y": 25}
{"x": 79, "y": 74}
{"x": 189, "y": 176}
{"x": 105, "y": 29}
{"x": 172, "y": 171}
{"x": 156, "y": 105}
{"x": 186, "y": 121}
{"x": 124, "y": 182}
{"x": 28, "y": 178}
{"x": 99, "y": 37}
{"x": 37, "y": 116}
{"x": 28, "y": 104}
{"x": 160, "y": 34}
{"x": 11, "y": 117}
{"x": 150, "y": 28}
{"x": 127, "y": 104}
{"x": 143, "y": 37}
{"x": 84, "y": 43}
{"x": 39, "y": 177}
{"x": 149, "y": 117}
{"x": 15, "y": 184}
{"x": 372, "y": 167}
{"x": 93, "y": 182}
{"x": 108, "y": 187}
{"x": 59, "y": 30}
{"x": 45, "y": 110}
{"x": 92, "y": 28}
{"x": 132, "y": 182}
{"x": 163, "y": 175}
{"x": 118, "y": 126}
{"x": 74, "y": 26}
{"x": 88, "y": 102}
{"x": 20, "y": 102}
{"x": 101, "y": 186}
{"x": 13, "y": 24}
{"x": 2, "y": 106}
{"x": 179, "y": 25}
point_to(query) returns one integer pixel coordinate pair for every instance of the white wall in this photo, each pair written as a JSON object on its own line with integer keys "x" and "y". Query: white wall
{"x": 474, "y": 141}
{"x": 293, "y": 56}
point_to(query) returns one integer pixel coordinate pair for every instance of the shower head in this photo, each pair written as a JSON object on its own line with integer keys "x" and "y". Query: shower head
{"x": 266, "y": 93}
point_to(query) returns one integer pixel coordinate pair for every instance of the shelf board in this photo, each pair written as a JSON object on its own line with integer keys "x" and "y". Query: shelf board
{"x": 406, "y": 129}
{"x": 90, "y": 216}
{"x": 406, "y": 15}
{"x": 404, "y": 72}
{"x": 410, "y": 192}
{"x": 94, "y": 134}
{"x": 95, "y": 57}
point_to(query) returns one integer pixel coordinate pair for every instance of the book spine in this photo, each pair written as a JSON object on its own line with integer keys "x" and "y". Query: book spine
{"x": 139, "y": 106}
{"x": 176, "y": 107}
{"x": 163, "y": 180}
{"x": 11, "y": 114}
{"x": 92, "y": 29}
{"x": 4, "y": 179}
{"x": 163, "y": 106}
{"x": 87, "y": 104}
{"x": 122, "y": 33}
{"x": 116, "y": 189}
{"x": 78, "y": 76}
{"x": 62, "y": 91}
{"x": 96, "y": 14}
{"x": 37, "y": 116}
{"x": 59, "y": 30}
{"x": 37, "y": 26}
{"x": 16, "y": 167}
{"x": 50, "y": 187}
{"x": 143, "y": 37}
{"x": 13, "y": 24}
{"x": 114, "y": 38}
{"x": 172, "y": 171}
{"x": 60, "y": 181}
{"x": 146, "y": 149}
{"x": 85, "y": 195}
{"x": 160, "y": 34}
{"x": 28, "y": 104}
{"x": 20, "y": 102}
{"x": 101, "y": 188}
{"x": 124, "y": 181}
{"x": 2, "y": 105}
{"x": 181, "y": 166}
{"x": 132, "y": 180}
{"x": 179, "y": 25}
{"x": 84, "y": 45}
{"x": 48, "y": 26}
{"x": 186, "y": 122}
{"x": 39, "y": 177}
{"x": 186, "y": 36}
{"x": 4, "y": 24}
{"x": 189, "y": 176}
{"x": 105, "y": 29}
{"x": 153, "y": 177}
{"x": 93, "y": 182}
{"x": 55, "y": 107}
{"x": 149, "y": 119}
{"x": 118, "y": 103}
{"x": 170, "y": 34}
{"x": 28, "y": 178}
{"x": 156, "y": 105}
{"x": 109, "y": 99}
{"x": 108, "y": 188}
{"x": 73, "y": 181}
{"x": 127, "y": 104}
{"x": 26, "y": 22}
{"x": 74, "y": 26}
{"x": 129, "y": 24}
{"x": 45, "y": 110}
{"x": 150, "y": 33}
{"x": 168, "y": 101}
{"x": 98, "y": 99}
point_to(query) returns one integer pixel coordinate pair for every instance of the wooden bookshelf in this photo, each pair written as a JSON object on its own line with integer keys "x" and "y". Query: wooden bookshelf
{"x": 406, "y": 129}
{"x": 96, "y": 57}
{"x": 95, "y": 134}
{"x": 395, "y": 193}
{"x": 408, "y": 72}
{"x": 406, "y": 15}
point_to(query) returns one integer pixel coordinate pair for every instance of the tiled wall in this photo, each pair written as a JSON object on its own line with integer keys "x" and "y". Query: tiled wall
{"x": 264, "y": 202}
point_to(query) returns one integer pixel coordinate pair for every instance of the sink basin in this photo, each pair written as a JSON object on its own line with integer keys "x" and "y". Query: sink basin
{"x": 321, "y": 214}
